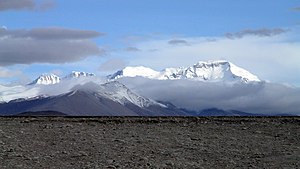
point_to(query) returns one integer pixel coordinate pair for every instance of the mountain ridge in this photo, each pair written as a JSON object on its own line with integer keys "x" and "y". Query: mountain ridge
{"x": 202, "y": 71}
{"x": 211, "y": 71}
{"x": 50, "y": 79}
{"x": 46, "y": 79}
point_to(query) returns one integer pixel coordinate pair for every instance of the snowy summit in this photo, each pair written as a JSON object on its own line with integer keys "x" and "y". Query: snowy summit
{"x": 201, "y": 71}
{"x": 49, "y": 79}
{"x": 46, "y": 79}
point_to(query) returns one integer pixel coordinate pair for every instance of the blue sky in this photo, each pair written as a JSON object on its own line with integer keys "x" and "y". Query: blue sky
{"x": 130, "y": 30}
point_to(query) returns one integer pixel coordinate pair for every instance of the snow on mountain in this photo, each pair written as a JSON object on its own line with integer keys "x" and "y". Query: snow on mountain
{"x": 76, "y": 74}
{"x": 119, "y": 93}
{"x": 91, "y": 99}
{"x": 135, "y": 71}
{"x": 44, "y": 86}
{"x": 46, "y": 79}
{"x": 114, "y": 90}
{"x": 202, "y": 71}
{"x": 210, "y": 71}
{"x": 49, "y": 79}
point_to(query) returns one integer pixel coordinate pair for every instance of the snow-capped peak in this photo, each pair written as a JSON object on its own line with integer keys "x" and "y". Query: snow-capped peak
{"x": 46, "y": 79}
{"x": 76, "y": 74}
{"x": 135, "y": 71}
{"x": 220, "y": 70}
{"x": 49, "y": 79}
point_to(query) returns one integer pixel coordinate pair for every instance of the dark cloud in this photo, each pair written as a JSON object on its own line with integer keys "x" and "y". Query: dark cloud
{"x": 256, "y": 32}
{"x": 50, "y": 33}
{"x": 296, "y": 9}
{"x": 113, "y": 65}
{"x": 16, "y": 4}
{"x": 132, "y": 49}
{"x": 26, "y": 5}
{"x": 46, "y": 45}
{"x": 254, "y": 98}
{"x": 178, "y": 42}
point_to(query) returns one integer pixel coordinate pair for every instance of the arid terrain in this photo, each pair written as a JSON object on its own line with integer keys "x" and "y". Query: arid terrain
{"x": 154, "y": 142}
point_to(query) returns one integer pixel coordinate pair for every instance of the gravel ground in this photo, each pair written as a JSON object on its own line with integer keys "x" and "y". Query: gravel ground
{"x": 157, "y": 142}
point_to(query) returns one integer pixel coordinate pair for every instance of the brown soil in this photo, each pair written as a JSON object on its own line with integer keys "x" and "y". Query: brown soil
{"x": 157, "y": 142}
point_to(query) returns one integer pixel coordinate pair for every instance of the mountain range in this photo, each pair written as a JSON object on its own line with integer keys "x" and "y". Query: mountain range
{"x": 202, "y": 71}
{"x": 85, "y": 94}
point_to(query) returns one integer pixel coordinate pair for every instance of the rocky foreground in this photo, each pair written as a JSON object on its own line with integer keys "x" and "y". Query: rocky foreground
{"x": 156, "y": 142}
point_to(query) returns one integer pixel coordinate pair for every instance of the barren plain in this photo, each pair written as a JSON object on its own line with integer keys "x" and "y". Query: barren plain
{"x": 149, "y": 142}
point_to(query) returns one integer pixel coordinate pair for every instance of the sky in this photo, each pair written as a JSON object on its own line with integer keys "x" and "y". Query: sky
{"x": 102, "y": 36}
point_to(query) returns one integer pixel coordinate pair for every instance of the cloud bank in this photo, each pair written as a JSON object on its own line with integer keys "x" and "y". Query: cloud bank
{"x": 46, "y": 45}
{"x": 26, "y": 5}
{"x": 263, "y": 97}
